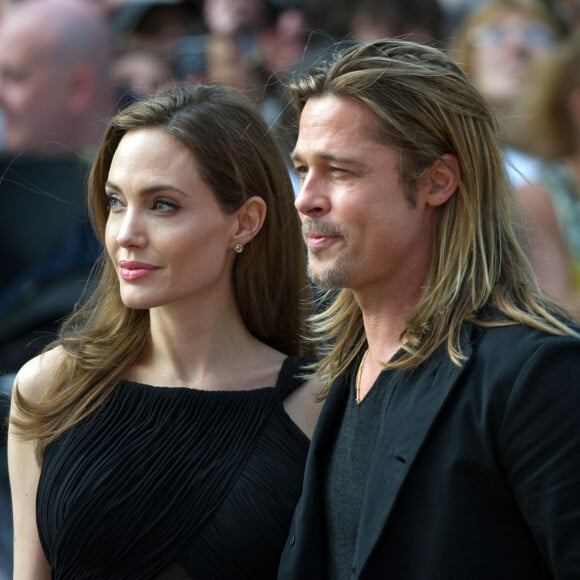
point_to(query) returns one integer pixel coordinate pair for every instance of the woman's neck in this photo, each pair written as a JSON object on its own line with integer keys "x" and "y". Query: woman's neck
{"x": 205, "y": 350}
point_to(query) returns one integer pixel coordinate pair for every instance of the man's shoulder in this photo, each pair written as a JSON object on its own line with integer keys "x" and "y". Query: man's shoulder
{"x": 498, "y": 328}
{"x": 518, "y": 343}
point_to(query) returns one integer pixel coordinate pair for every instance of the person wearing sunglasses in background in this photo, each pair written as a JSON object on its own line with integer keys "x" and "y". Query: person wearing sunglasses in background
{"x": 496, "y": 46}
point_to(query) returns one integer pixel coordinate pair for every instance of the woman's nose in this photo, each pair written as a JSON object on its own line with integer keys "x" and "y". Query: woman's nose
{"x": 131, "y": 231}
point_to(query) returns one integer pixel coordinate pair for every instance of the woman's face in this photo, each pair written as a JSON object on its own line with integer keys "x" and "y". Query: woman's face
{"x": 502, "y": 51}
{"x": 167, "y": 236}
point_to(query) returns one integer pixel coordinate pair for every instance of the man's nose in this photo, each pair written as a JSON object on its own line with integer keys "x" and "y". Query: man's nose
{"x": 312, "y": 198}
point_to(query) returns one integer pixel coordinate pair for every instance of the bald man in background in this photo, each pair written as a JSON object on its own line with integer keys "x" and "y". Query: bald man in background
{"x": 56, "y": 95}
{"x": 56, "y": 91}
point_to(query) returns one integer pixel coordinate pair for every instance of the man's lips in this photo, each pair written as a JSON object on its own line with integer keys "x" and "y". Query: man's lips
{"x": 131, "y": 270}
{"x": 318, "y": 240}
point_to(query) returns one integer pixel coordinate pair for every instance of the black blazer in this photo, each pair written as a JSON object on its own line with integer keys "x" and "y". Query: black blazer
{"x": 476, "y": 475}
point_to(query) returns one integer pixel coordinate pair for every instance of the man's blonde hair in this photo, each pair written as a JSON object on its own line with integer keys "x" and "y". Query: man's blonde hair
{"x": 426, "y": 108}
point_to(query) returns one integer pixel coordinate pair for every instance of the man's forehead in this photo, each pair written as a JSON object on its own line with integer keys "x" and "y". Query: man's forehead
{"x": 333, "y": 118}
{"x": 349, "y": 144}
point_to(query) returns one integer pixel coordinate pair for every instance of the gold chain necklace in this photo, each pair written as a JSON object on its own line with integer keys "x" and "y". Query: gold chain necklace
{"x": 358, "y": 377}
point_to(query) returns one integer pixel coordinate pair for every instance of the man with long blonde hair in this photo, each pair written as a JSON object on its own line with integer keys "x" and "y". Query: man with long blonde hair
{"x": 449, "y": 443}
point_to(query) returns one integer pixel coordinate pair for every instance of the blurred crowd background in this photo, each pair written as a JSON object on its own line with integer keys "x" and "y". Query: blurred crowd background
{"x": 67, "y": 65}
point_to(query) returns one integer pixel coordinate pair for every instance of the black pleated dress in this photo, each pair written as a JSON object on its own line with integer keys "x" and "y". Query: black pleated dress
{"x": 169, "y": 482}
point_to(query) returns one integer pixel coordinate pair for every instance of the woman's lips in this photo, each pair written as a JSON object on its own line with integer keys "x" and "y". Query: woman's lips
{"x": 135, "y": 270}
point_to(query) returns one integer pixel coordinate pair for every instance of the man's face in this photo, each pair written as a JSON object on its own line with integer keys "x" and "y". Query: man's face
{"x": 360, "y": 229}
{"x": 32, "y": 88}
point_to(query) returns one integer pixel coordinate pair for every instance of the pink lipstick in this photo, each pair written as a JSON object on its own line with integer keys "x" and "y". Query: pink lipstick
{"x": 129, "y": 270}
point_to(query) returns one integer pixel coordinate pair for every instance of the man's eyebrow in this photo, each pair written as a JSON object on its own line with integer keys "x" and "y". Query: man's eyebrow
{"x": 295, "y": 156}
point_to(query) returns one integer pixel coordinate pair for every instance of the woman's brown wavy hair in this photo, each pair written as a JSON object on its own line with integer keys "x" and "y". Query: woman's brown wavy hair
{"x": 238, "y": 158}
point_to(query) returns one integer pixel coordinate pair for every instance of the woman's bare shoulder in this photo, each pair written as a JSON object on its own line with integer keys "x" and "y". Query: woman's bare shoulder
{"x": 304, "y": 405}
{"x": 34, "y": 374}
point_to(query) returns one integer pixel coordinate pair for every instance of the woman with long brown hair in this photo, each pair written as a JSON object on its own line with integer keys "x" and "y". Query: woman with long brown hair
{"x": 165, "y": 434}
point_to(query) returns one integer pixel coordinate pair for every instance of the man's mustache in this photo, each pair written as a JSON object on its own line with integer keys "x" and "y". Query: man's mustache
{"x": 313, "y": 227}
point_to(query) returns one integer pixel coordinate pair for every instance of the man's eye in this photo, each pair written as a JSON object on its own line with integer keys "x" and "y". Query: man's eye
{"x": 13, "y": 76}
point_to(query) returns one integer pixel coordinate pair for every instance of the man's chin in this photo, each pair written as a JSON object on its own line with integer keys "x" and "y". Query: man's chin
{"x": 329, "y": 278}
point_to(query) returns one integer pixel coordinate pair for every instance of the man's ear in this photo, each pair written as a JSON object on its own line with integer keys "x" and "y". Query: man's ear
{"x": 82, "y": 88}
{"x": 250, "y": 219}
{"x": 441, "y": 180}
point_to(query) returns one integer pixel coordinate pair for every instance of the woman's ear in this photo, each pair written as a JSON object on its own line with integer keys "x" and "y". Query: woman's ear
{"x": 441, "y": 180}
{"x": 250, "y": 219}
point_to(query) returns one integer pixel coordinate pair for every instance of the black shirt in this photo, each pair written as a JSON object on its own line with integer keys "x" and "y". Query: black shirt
{"x": 348, "y": 468}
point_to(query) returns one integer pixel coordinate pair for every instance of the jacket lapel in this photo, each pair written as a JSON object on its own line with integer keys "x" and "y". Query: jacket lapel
{"x": 400, "y": 439}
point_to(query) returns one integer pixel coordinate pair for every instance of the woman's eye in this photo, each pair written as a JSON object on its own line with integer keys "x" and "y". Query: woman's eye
{"x": 163, "y": 206}
{"x": 113, "y": 202}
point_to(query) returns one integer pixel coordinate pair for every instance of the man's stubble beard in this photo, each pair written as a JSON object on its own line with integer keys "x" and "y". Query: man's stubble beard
{"x": 334, "y": 275}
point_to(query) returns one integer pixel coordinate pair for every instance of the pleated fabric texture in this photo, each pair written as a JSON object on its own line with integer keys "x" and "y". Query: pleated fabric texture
{"x": 171, "y": 482}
